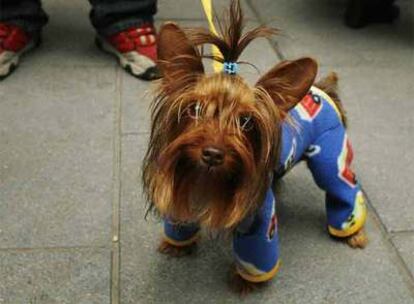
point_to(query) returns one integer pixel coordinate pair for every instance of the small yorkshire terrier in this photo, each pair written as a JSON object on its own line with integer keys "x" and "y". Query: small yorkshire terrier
{"x": 217, "y": 144}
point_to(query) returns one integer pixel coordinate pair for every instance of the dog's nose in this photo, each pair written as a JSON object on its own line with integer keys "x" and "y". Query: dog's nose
{"x": 212, "y": 156}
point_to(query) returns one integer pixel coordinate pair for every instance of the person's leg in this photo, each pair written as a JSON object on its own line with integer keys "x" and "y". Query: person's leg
{"x": 21, "y": 22}
{"x": 113, "y": 16}
{"x": 26, "y": 14}
{"x": 125, "y": 29}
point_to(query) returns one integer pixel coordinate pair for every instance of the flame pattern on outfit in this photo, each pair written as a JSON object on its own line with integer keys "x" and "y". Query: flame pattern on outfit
{"x": 316, "y": 134}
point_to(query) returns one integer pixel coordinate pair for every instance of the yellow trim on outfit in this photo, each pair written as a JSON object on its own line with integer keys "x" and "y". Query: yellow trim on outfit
{"x": 259, "y": 278}
{"x": 358, "y": 224}
{"x": 190, "y": 241}
{"x": 328, "y": 99}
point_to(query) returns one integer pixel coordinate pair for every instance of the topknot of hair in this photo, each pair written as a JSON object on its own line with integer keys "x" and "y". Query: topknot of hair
{"x": 231, "y": 39}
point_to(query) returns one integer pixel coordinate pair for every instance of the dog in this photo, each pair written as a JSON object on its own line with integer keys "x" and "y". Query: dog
{"x": 217, "y": 144}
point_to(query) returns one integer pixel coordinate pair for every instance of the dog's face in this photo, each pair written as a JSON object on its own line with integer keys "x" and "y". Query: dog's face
{"x": 215, "y": 139}
{"x": 220, "y": 142}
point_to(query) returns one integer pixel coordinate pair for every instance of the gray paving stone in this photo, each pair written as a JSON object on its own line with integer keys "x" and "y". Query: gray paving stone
{"x": 68, "y": 38}
{"x": 56, "y": 157}
{"x": 137, "y": 95}
{"x": 136, "y": 99}
{"x": 378, "y": 101}
{"x": 56, "y": 144}
{"x": 315, "y": 28}
{"x": 190, "y": 9}
{"x": 405, "y": 245}
{"x": 78, "y": 276}
{"x": 315, "y": 269}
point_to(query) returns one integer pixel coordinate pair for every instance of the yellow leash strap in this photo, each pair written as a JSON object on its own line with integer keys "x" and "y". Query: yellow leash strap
{"x": 208, "y": 10}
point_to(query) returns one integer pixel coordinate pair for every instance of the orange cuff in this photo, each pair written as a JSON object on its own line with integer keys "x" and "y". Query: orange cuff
{"x": 190, "y": 241}
{"x": 258, "y": 278}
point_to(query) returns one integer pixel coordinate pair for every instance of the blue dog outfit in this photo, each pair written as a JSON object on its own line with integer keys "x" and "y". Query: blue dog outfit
{"x": 314, "y": 133}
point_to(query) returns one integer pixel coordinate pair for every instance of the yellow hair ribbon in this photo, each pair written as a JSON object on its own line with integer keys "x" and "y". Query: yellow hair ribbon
{"x": 208, "y": 10}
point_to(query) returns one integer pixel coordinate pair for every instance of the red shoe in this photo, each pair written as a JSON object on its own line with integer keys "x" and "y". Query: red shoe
{"x": 136, "y": 50}
{"x": 13, "y": 43}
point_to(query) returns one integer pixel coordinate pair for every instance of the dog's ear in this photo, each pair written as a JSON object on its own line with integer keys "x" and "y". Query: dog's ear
{"x": 289, "y": 81}
{"x": 177, "y": 56}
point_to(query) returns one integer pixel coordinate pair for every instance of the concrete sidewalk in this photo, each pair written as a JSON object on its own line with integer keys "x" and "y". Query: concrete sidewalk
{"x": 73, "y": 130}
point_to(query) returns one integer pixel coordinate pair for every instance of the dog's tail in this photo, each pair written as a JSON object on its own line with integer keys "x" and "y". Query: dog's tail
{"x": 329, "y": 85}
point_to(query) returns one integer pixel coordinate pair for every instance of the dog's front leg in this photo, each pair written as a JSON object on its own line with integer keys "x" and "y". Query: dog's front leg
{"x": 176, "y": 251}
{"x": 179, "y": 239}
{"x": 256, "y": 249}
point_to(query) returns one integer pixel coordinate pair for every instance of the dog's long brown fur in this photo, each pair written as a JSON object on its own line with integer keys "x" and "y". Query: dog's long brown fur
{"x": 193, "y": 111}
{"x": 226, "y": 194}
{"x": 185, "y": 189}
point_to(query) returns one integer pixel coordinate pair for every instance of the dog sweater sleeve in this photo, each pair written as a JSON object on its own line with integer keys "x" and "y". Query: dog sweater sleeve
{"x": 256, "y": 250}
{"x": 180, "y": 235}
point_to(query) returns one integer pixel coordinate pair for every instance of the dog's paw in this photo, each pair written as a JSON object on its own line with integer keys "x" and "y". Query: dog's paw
{"x": 358, "y": 240}
{"x": 240, "y": 285}
{"x": 176, "y": 251}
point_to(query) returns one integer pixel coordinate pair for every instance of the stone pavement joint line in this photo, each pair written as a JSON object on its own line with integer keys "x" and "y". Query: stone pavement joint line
{"x": 273, "y": 43}
{"x": 387, "y": 238}
{"x": 50, "y": 249}
{"x": 132, "y": 133}
{"x": 116, "y": 200}
{"x": 401, "y": 232}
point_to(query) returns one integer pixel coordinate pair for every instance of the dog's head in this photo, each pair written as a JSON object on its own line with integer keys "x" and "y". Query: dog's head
{"x": 215, "y": 139}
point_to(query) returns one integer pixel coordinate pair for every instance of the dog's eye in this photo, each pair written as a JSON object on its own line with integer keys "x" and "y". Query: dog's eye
{"x": 246, "y": 122}
{"x": 194, "y": 110}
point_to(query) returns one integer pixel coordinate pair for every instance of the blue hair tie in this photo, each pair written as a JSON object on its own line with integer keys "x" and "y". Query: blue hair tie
{"x": 230, "y": 68}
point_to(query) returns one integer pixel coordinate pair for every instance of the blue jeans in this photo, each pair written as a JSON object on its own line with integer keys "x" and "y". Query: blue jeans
{"x": 107, "y": 16}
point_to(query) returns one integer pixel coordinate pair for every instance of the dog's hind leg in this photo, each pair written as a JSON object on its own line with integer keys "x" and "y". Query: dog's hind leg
{"x": 345, "y": 202}
{"x": 358, "y": 240}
